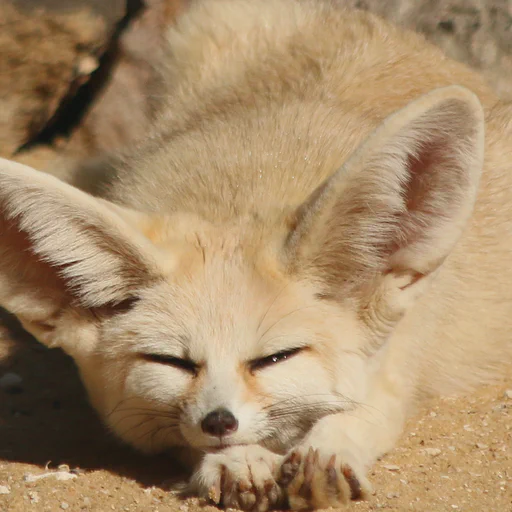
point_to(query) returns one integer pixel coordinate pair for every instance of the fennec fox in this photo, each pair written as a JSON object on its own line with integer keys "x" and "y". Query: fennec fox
{"x": 304, "y": 245}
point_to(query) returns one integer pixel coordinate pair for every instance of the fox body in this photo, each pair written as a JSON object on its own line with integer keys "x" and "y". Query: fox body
{"x": 316, "y": 234}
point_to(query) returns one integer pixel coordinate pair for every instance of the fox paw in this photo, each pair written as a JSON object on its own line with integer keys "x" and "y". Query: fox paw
{"x": 316, "y": 479}
{"x": 240, "y": 477}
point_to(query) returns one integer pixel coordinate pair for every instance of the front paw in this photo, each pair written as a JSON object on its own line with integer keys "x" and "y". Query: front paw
{"x": 240, "y": 477}
{"x": 318, "y": 478}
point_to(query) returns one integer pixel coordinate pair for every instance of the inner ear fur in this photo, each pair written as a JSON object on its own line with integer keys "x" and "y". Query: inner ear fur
{"x": 61, "y": 247}
{"x": 401, "y": 201}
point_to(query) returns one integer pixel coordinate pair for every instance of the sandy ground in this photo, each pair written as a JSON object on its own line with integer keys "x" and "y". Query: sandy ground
{"x": 456, "y": 454}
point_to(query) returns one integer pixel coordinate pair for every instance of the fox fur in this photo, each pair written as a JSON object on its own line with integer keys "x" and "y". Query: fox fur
{"x": 316, "y": 233}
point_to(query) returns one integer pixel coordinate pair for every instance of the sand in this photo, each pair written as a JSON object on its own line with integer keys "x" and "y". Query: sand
{"x": 455, "y": 454}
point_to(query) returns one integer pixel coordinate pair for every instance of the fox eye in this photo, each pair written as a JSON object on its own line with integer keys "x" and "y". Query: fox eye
{"x": 177, "y": 362}
{"x": 258, "y": 364}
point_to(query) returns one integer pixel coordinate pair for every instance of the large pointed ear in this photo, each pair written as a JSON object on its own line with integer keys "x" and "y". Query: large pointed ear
{"x": 401, "y": 201}
{"x": 60, "y": 247}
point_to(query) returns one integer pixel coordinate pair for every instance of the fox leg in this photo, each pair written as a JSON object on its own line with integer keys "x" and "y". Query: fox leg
{"x": 241, "y": 477}
{"x": 328, "y": 468}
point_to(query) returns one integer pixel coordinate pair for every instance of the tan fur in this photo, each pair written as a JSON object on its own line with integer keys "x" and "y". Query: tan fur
{"x": 317, "y": 180}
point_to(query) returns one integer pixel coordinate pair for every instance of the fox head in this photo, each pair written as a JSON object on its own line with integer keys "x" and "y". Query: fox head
{"x": 190, "y": 333}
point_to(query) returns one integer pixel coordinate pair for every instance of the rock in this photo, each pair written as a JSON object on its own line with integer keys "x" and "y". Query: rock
{"x": 4, "y": 489}
{"x": 58, "y": 475}
{"x": 508, "y": 393}
{"x": 33, "y": 497}
{"x": 433, "y": 452}
{"x": 42, "y": 44}
{"x": 391, "y": 467}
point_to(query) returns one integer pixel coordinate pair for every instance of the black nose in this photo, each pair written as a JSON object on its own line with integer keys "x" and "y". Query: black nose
{"x": 219, "y": 422}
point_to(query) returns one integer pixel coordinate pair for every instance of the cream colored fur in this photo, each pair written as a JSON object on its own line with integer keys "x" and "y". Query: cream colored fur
{"x": 318, "y": 180}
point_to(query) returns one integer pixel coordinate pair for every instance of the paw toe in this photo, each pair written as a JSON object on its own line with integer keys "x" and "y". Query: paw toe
{"x": 356, "y": 490}
{"x": 289, "y": 469}
{"x": 309, "y": 483}
{"x": 246, "y": 496}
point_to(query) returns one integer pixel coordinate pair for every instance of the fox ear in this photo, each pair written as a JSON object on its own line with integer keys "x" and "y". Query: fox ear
{"x": 60, "y": 247}
{"x": 401, "y": 201}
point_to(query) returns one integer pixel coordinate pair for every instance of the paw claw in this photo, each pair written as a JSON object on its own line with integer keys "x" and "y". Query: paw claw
{"x": 273, "y": 491}
{"x": 356, "y": 492}
{"x": 316, "y": 458}
{"x": 289, "y": 469}
{"x": 215, "y": 491}
{"x": 268, "y": 485}
{"x": 227, "y": 488}
{"x": 247, "y": 500}
{"x": 239, "y": 477}
{"x": 309, "y": 466}
{"x": 244, "y": 486}
{"x": 320, "y": 481}
{"x": 296, "y": 458}
{"x": 214, "y": 494}
{"x": 332, "y": 477}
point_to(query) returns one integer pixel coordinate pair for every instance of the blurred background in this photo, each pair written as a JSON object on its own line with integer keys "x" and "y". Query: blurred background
{"x": 77, "y": 75}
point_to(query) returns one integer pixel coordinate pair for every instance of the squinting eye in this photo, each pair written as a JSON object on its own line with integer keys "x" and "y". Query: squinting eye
{"x": 177, "y": 362}
{"x": 258, "y": 364}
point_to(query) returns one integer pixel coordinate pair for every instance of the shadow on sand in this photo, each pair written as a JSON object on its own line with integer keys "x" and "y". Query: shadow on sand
{"x": 49, "y": 419}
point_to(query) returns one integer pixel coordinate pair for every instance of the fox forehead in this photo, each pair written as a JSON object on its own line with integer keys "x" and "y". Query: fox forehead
{"x": 224, "y": 301}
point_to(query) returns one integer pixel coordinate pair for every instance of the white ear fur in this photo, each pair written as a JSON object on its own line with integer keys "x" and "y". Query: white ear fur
{"x": 61, "y": 246}
{"x": 401, "y": 201}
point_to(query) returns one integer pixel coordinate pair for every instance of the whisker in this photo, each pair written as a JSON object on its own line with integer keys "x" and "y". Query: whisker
{"x": 277, "y": 411}
{"x": 270, "y": 306}
{"x": 136, "y": 426}
{"x": 147, "y": 410}
{"x": 157, "y": 401}
{"x": 145, "y": 422}
{"x": 166, "y": 429}
{"x": 309, "y": 408}
{"x": 311, "y": 395}
{"x": 144, "y": 414}
{"x": 286, "y": 316}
